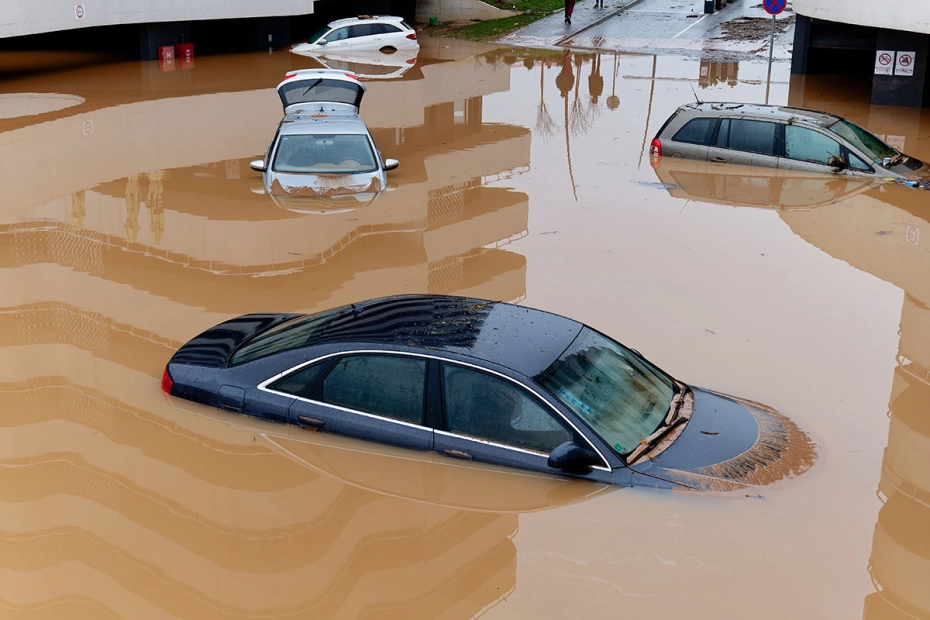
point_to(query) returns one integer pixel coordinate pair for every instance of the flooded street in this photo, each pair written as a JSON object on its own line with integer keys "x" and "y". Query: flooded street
{"x": 131, "y": 221}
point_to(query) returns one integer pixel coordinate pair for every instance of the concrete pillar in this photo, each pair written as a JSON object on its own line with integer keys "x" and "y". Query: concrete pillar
{"x": 902, "y": 90}
{"x": 802, "y": 43}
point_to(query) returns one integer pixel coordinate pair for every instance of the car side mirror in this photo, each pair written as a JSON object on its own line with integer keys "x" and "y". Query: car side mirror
{"x": 321, "y": 42}
{"x": 391, "y": 164}
{"x": 572, "y": 458}
{"x": 257, "y": 165}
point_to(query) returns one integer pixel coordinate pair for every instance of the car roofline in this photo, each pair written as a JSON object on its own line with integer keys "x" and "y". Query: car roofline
{"x": 347, "y": 21}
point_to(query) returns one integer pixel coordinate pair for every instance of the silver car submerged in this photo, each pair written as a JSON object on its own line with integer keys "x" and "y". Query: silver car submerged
{"x": 782, "y": 137}
{"x": 322, "y": 148}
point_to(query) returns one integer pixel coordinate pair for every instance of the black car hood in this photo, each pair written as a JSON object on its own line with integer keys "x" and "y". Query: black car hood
{"x": 730, "y": 443}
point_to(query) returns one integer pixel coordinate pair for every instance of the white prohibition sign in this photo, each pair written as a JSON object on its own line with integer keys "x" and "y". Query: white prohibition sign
{"x": 79, "y": 11}
{"x": 913, "y": 235}
{"x": 884, "y": 62}
{"x": 904, "y": 64}
{"x": 88, "y": 127}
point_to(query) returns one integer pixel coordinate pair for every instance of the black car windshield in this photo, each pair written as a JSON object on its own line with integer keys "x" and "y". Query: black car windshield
{"x": 621, "y": 396}
{"x": 287, "y": 336}
{"x": 869, "y": 144}
{"x": 324, "y": 154}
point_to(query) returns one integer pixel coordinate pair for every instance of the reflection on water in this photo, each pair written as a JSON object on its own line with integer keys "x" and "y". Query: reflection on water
{"x": 900, "y": 560}
{"x": 148, "y": 230}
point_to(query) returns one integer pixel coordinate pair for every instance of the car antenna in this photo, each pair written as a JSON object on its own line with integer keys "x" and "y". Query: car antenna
{"x": 696, "y": 98}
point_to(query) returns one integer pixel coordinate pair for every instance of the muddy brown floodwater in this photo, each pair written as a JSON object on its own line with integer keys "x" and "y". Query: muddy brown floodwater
{"x": 130, "y": 221}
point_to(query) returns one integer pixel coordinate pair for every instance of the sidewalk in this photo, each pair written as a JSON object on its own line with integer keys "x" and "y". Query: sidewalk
{"x": 739, "y": 30}
{"x": 552, "y": 31}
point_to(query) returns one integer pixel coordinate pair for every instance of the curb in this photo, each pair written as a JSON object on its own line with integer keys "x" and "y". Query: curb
{"x": 598, "y": 21}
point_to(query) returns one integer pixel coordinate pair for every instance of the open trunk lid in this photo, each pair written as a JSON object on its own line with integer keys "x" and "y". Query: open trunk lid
{"x": 320, "y": 86}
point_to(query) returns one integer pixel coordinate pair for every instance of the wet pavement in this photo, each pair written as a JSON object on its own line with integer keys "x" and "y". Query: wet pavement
{"x": 131, "y": 221}
{"x": 740, "y": 30}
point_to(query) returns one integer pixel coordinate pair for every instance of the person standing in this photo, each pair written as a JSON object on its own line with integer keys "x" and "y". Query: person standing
{"x": 569, "y": 8}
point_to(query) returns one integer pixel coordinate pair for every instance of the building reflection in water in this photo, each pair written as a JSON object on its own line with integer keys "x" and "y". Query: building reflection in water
{"x": 116, "y": 509}
{"x": 118, "y": 504}
{"x": 840, "y": 215}
{"x": 714, "y": 71}
{"x": 900, "y": 561}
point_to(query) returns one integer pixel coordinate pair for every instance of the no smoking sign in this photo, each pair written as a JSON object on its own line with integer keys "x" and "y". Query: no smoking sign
{"x": 79, "y": 11}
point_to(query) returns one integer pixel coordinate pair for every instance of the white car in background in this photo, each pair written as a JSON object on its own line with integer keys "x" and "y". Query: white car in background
{"x": 369, "y": 64}
{"x": 361, "y": 33}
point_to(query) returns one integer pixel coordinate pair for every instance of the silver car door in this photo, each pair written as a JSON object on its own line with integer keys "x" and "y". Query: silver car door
{"x": 809, "y": 150}
{"x": 745, "y": 141}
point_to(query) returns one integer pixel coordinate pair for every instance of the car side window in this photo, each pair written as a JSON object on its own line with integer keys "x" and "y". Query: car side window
{"x": 723, "y": 134}
{"x": 339, "y": 34}
{"x": 301, "y": 382}
{"x": 389, "y": 28}
{"x": 362, "y": 30}
{"x": 857, "y": 164}
{"x": 481, "y": 405}
{"x": 696, "y": 131}
{"x": 752, "y": 136}
{"x": 809, "y": 145}
{"x": 392, "y": 386}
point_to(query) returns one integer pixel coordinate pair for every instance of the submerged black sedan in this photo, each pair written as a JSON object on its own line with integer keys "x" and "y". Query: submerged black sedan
{"x": 487, "y": 381}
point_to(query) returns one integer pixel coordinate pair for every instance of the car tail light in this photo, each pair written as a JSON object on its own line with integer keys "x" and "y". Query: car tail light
{"x": 412, "y": 61}
{"x": 290, "y": 74}
{"x": 655, "y": 152}
{"x": 351, "y": 76}
{"x": 166, "y": 382}
{"x": 412, "y": 36}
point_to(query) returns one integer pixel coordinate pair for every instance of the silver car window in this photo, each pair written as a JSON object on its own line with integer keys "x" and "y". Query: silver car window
{"x": 752, "y": 136}
{"x": 809, "y": 145}
{"x": 696, "y": 131}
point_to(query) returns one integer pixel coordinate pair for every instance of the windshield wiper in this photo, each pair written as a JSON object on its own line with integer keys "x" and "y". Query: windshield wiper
{"x": 312, "y": 86}
{"x": 672, "y": 421}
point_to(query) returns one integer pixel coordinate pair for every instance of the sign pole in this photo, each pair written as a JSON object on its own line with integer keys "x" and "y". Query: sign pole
{"x": 768, "y": 80}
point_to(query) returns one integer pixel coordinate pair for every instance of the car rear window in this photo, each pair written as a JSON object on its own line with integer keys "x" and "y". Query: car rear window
{"x": 287, "y": 336}
{"x": 696, "y": 131}
{"x": 406, "y": 25}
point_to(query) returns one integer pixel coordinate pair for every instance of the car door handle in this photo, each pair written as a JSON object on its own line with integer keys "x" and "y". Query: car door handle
{"x": 718, "y": 160}
{"x": 457, "y": 454}
{"x": 308, "y": 422}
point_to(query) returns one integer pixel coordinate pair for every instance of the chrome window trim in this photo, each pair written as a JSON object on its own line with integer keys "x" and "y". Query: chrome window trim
{"x": 263, "y": 386}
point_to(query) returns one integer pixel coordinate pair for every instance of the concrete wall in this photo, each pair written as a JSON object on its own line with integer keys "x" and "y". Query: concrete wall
{"x": 912, "y": 15}
{"x": 459, "y": 10}
{"x": 37, "y": 16}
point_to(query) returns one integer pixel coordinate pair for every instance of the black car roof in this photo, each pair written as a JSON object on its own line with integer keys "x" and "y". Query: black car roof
{"x": 522, "y": 339}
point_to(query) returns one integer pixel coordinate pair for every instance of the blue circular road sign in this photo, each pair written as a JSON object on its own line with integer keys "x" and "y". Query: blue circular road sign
{"x": 774, "y": 7}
